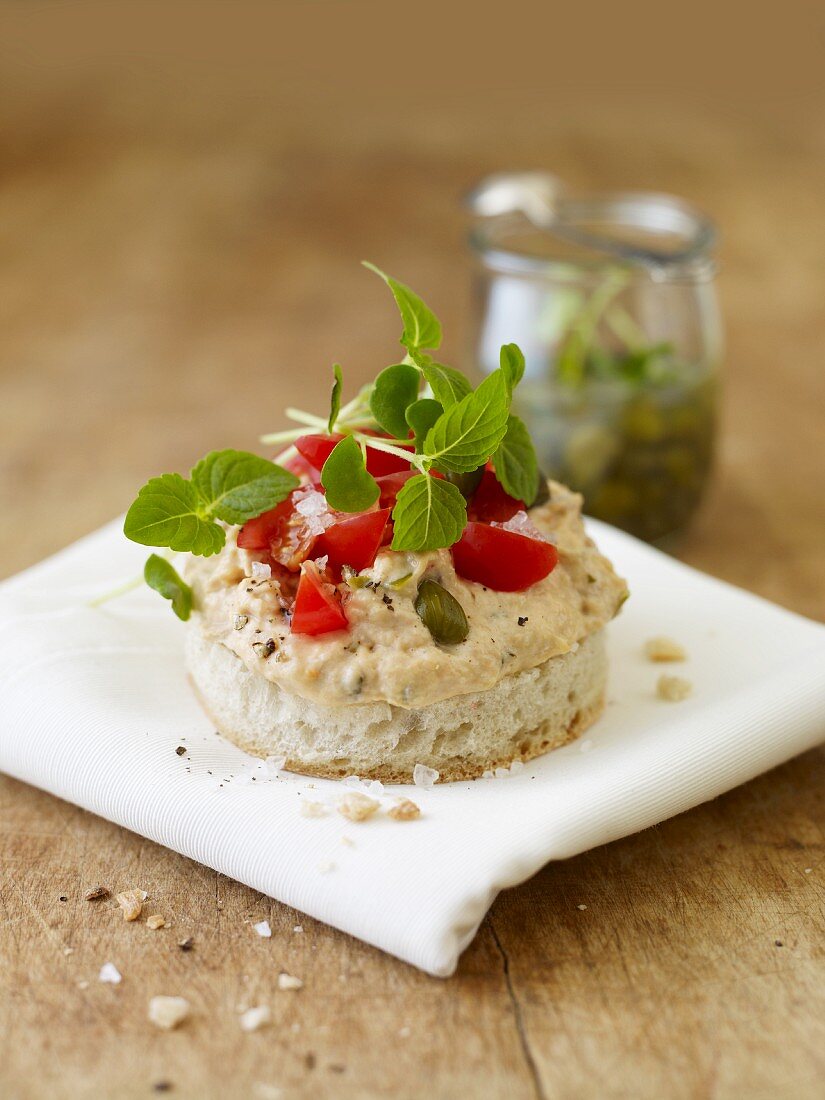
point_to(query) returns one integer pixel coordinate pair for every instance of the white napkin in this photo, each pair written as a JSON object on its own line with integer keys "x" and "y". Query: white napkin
{"x": 94, "y": 703}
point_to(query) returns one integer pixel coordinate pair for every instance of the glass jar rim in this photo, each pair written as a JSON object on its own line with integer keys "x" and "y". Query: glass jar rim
{"x": 571, "y": 220}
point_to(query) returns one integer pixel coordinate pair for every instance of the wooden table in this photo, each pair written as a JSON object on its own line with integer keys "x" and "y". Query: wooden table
{"x": 180, "y": 261}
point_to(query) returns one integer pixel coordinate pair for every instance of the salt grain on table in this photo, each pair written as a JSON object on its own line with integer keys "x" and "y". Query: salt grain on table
{"x": 167, "y": 1012}
{"x": 109, "y": 973}
{"x": 255, "y": 1017}
{"x": 263, "y": 929}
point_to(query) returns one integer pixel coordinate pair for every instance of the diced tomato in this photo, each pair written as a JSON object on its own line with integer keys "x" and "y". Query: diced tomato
{"x": 490, "y": 503}
{"x": 299, "y": 466}
{"x": 316, "y": 449}
{"x": 317, "y": 607}
{"x": 353, "y": 541}
{"x": 391, "y": 485}
{"x": 502, "y": 560}
{"x": 259, "y": 533}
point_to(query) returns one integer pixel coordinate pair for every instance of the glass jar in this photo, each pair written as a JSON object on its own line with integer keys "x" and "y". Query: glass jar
{"x": 612, "y": 300}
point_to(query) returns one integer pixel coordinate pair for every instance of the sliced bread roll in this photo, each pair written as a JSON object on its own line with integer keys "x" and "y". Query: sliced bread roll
{"x": 522, "y": 716}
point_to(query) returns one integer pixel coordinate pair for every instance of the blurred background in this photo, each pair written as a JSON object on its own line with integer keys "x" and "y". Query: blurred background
{"x": 186, "y": 191}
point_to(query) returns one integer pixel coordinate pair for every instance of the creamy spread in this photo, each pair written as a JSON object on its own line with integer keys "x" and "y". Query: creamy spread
{"x": 388, "y": 654}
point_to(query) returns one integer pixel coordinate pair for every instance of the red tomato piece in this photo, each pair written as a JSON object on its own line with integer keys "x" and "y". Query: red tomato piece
{"x": 259, "y": 533}
{"x": 502, "y": 560}
{"x": 391, "y": 485}
{"x": 316, "y": 449}
{"x": 317, "y": 607}
{"x": 353, "y": 541}
{"x": 490, "y": 503}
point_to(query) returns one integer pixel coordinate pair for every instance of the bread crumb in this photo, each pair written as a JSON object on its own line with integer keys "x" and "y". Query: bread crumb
{"x": 255, "y": 1017}
{"x": 581, "y": 907}
{"x": 167, "y": 1012}
{"x": 356, "y": 806}
{"x": 327, "y": 865}
{"x": 404, "y": 810}
{"x": 287, "y": 981}
{"x": 313, "y": 809}
{"x": 347, "y": 841}
{"x": 298, "y": 928}
{"x": 263, "y": 929}
{"x": 97, "y": 893}
{"x": 664, "y": 649}
{"x": 673, "y": 688}
{"x": 155, "y": 921}
{"x": 110, "y": 974}
{"x": 131, "y": 902}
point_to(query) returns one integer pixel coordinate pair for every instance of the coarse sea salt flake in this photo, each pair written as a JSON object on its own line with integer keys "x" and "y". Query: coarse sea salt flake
{"x": 263, "y": 929}
{"x": 255, "y": 1017}
{"x": 274, "y": 765}
{"x": 424, "y": 777}
{"x": 261, "y": 571}
{"x": 167, "y": 1012}
{"x": 287, "y": 981}
{"x": 110, "y": 973}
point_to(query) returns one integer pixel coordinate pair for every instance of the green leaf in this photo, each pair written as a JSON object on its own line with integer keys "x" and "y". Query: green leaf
{"x": 335, "y": 397}
{"x": 395, "y": 388}
{"x": 348, "y": 486}
{"x": 169, "y": 512}
{"x": 515, "y": 462}
{"x": 469, "y": 432}
{"x": 512, "y": 364}
{"x": 421, "y": 416}
{"x": 236, "y": 486}
{"x": 422, "y": 329}
{"x": 449, "y": 385}
{"x": 163, "y": 577}
{"x": 429, "y": 513}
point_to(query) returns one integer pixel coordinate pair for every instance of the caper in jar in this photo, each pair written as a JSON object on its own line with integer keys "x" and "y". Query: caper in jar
{"x": 441, "y": 613}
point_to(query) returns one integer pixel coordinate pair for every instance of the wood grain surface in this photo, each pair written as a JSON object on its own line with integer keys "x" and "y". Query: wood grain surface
{"x": 180, "y": 247}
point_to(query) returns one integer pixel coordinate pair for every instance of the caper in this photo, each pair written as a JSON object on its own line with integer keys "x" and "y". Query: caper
{"x": 441, "y": 613}
{"x": 466, "y": 483}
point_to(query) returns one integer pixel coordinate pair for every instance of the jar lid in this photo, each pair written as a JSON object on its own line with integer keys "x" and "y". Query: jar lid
{"x": 665, "y": 234}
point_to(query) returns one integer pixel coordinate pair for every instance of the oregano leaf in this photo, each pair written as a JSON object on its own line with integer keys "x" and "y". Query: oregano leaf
{"x": 469, "y": 432}
{"x": 162, "y": 576}
{"x": 429, "y": 513}
{"x": 168, "y": 511}
{"x": 515, "y": 462}
{"x": 335, "y": 397}
{"x": 348, "y": 486}
{"x": 512, "y": 364}
{"x": 422, "y": 329}
{"x": 395, "y": 389}
{"x": 236, "y": 485}
{"x": 421, "y": 416}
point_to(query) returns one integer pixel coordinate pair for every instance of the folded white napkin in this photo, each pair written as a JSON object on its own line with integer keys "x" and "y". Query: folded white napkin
{"x": 94, "y": 703}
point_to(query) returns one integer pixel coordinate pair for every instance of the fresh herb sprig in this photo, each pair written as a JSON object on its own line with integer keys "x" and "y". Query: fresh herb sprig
{"x": 182, "y": 514}
{"x": 456, "y": 429}
{"x": 436, "y": 421}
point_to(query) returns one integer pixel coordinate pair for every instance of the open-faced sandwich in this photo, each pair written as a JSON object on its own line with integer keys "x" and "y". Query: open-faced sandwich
{"x": 403, "y": 588}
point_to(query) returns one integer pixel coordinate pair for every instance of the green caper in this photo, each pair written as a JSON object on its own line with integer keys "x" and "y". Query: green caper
{"x": 441, "y": 613}
{"x": 466, "y": 483}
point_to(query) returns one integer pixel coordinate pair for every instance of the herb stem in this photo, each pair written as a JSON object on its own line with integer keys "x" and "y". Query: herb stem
{"x": 378, "y": 444}
{"x": 121, "y": 590}
{"x": 309, "y": 419}
{"x": 282, "y": 437}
